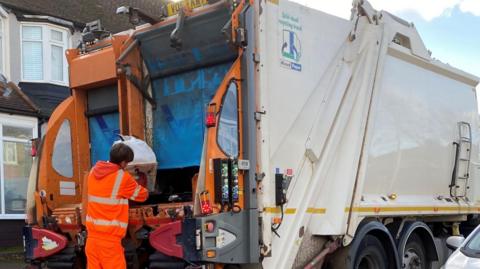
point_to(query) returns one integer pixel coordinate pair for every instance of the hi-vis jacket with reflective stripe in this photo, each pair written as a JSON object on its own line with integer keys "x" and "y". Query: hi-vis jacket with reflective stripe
{"x": 109, "y": 189}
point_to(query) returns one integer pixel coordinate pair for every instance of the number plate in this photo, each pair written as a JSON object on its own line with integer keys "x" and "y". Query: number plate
{"x": 174, "y": 8}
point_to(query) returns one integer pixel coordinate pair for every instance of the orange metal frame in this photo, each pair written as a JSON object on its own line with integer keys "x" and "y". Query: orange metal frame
{"x": 99, "y": 68}
{"x": 213, "y": 149}
{"x": 87, "y": 71}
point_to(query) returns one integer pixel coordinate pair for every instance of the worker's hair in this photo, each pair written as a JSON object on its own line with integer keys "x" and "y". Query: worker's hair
{"x": 120, "y": 152}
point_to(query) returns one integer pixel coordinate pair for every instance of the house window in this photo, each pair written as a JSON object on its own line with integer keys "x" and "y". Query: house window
{"x": 43, "y": 53}
{"x": 10, "y": 153}
{"x": 16, "y": 162}
{"x": 1, "y": 46}
{"x": 32, "y": 53}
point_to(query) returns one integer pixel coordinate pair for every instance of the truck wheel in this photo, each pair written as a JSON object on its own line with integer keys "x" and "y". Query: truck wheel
{"x": 371, "y": 254}
{"x": 415, "y": 256}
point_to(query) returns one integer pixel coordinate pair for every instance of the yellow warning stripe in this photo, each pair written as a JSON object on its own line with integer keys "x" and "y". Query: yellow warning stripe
{"x": 277, "y": 210}
{"x": 375, "y": 209}
{"x": 291, "y": 211}
{"x": 313, "y": 210}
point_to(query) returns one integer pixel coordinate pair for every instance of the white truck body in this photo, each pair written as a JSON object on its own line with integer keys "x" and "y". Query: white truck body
{"x": 364, "y": 118}
{"x": 349, "y": 145}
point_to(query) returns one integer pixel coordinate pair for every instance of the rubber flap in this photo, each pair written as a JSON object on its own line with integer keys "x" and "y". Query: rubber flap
{"x": 164, "y": 239}
{"x": 41, "y": 243}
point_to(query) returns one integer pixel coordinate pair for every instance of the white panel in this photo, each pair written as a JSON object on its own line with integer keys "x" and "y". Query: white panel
{"x": 67, "y": 188}
{"x": 415, "y": 125}
{"x": 300, "y": 48}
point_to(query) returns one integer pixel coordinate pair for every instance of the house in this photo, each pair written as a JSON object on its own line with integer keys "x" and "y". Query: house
{"x": 18, "y": 125}
{"x": 34, "y": 35}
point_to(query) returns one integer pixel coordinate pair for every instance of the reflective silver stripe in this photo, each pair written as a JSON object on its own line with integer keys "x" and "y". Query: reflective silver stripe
{"x": 116, "y": 186}
{"x": 136, "y": 192}
{"x": 104, "y": 222}
{"x": 107, "y": 201}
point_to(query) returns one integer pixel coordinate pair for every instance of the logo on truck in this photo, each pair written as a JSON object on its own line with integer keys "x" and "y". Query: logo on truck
{"x": 291, "y": 48}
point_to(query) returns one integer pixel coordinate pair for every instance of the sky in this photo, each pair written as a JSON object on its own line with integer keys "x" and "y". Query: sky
{"x": 449, "y": 28}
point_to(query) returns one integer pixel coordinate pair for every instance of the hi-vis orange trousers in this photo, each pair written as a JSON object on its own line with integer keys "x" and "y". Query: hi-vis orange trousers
{"x": 104, "y": 254}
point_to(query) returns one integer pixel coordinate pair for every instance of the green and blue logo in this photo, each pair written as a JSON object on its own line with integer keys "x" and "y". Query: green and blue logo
{"x": 291, "y": 50}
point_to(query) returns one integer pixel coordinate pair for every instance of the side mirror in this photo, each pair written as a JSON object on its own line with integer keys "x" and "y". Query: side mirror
{"x": 454, "y": 242}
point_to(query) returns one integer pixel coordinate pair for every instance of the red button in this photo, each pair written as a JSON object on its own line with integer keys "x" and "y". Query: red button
{"x": 209, "y": 227}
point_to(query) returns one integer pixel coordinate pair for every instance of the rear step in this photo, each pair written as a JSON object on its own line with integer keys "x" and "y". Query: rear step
{"x": 161, "y": 261}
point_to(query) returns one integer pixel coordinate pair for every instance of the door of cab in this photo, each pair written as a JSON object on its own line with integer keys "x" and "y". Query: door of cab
{"x": 65, "y": 155}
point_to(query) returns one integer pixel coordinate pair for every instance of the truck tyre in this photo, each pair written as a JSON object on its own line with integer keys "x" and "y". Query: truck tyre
{"x": 371, "y": 254}
{"x": 415, "y": 256}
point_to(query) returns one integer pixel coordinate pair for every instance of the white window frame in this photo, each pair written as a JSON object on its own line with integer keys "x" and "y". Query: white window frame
{"x": 15, "y": 121}
{"x": 47, "y": 43}
{"x": 4, "y": 34}
{"x": 2, "y": 47}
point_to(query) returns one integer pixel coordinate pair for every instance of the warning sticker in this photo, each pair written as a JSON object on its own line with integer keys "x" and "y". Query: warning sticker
{"x": 67, "y": 188}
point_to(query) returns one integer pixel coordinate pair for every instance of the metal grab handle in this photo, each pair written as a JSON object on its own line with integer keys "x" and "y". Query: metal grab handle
{"x": 455, "y": 166}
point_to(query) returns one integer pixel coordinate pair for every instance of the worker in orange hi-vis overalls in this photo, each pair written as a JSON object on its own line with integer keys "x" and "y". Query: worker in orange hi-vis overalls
{"x": 109, "y": 189}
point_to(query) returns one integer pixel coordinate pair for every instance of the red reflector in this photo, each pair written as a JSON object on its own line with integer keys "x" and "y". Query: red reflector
{"x": 209, "y": 227}
{"x": 210, "y": 120}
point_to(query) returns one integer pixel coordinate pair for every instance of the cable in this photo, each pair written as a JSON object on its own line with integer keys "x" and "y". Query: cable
{"x": 275, "y": 227}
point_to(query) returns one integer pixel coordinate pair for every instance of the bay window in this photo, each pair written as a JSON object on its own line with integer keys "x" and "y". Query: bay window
{"x": 16, "y": 161}
{"x": 43, "y": 53}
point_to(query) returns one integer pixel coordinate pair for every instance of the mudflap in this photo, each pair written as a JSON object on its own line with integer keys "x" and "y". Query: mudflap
{"x": 41, "y": 243}
{"x": 164, "y": 239}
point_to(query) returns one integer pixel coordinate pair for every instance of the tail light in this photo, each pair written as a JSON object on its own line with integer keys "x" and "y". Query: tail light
{"x": 205, "y": 205}
{"x": 210, "y": 120}
{"x": 209, "y": 227}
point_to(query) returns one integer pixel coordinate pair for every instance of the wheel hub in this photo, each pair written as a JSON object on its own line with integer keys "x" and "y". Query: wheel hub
{"x": 411, "y": 260}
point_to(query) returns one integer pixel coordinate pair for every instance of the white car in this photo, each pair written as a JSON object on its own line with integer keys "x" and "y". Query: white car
{"x": 466, "y": 253}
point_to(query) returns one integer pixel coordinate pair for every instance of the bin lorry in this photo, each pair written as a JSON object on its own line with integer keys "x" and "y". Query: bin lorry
{"x": 284, "y": 137}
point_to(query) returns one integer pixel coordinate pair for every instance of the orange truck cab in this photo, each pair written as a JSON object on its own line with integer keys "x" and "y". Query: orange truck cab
{"x": 181, "y": 84}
